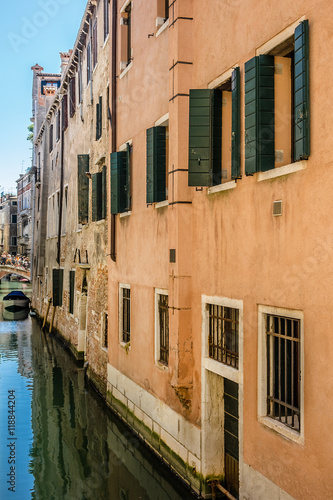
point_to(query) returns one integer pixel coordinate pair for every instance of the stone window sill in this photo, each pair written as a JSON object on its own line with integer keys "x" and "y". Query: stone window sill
{"x": 222, "y": 187}
{"x": 279, "y": 171}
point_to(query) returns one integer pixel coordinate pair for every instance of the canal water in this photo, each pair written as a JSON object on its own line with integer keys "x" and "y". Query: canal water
{"x": 58, "y": 441}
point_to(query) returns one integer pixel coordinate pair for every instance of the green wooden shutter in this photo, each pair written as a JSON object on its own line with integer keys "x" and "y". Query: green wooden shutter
{"x": 156, "y": 164}
{"x": 205, "y": 137}
{"x": 301, "y": 93}
{"x": 128, "y": 178}
{"x": 96, "y": 196}
{"x": 83, "y": 189}
{"x": 104, "y": 192}
{"x": 235, "y": 136}
{"x": 119, "y": 179}
{"x": 57, "y": 286}
{"x": 259, "y": 114}
{"x": 71, "y": 291}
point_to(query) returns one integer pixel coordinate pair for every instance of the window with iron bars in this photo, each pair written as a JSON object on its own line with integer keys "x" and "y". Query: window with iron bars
{"x": 126, "y": 315}
{"x": 283, "y": 342}
{"x": 223, "y": 335}
{"x": 163, "y": 322}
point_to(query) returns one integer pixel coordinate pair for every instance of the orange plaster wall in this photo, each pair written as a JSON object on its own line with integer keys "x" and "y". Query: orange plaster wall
{"x": 241, "y": 251}
{"x": 228, "y": 244}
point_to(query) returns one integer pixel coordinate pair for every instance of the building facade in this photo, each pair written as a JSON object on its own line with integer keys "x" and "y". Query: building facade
{"x": 220, "y": 263}
{"x": 8, "y": 223}
{"x": 70, "y": 223}
{"x": 24, "y": 213}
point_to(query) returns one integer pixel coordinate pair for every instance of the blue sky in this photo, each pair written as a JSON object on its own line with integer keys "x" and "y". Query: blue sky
{"x": 33, "y": 31}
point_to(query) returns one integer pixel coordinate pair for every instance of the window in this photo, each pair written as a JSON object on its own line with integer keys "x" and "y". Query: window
{"x": 277, "y": 130}
{"x": 58, "y": 126}
{"x": 14, "y": 218}
{"x": 99, "y": 115}
{"x": 14, "y": 203}
{"x": 106, "y": 18}
{"x": 105, "y": 322}
{"x": 71, "y": 291}
{"x": 94, "y": 45}
{"x": 124, "y": 313}
{"x": 83, "y": 189}
{"x": 64, "y": 211}
{"x": 99, "y": 195}
{"x": 161, "y": 327}
{"x": 156, "y": 138}
{"x": 162, "y": 12}
{"x": 80, "y": 76}
{"x": 120, "y": 181}
{"x": 72, "y": 96}
{"x": 126, "y": 36}
{"x": 88, "y": 64}
{"x": 214, "y": 133}
{"x": 57, "y": 286}
{"x": 13, "y": 241}
{"x": 51, "y": 138}
{"x": 281, "y": 357}
{"x": 64, "y": 111}
{"x": 223, "y": 337}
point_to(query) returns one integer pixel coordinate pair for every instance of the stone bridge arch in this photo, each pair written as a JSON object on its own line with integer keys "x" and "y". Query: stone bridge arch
{"x": 6, "y": 270}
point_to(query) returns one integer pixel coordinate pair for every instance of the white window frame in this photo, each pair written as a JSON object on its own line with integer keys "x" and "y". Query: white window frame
{"x": 158, "y": 292}
{"x": 121, "y": 287}
{"x": 213, "y": 365}
{"x": 280, "y": 428}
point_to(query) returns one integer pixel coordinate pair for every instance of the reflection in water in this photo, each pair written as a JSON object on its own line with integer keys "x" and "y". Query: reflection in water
{"x": 68, "y": 443}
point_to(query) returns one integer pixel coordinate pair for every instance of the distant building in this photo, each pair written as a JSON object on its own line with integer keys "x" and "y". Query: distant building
{"x": 8, "y": 224}
{"x": 24, "y": 213}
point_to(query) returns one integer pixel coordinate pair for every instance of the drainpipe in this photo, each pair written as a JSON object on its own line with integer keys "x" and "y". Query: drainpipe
{"x": 61, "y": 192}
{"x": 114, "y": 112}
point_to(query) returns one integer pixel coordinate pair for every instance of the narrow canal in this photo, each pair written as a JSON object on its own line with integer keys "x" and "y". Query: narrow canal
{"x": 58, "y": 441}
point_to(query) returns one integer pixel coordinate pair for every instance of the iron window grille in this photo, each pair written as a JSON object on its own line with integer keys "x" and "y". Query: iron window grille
{"x": 223, "y": 336}
{"x": 126, "y": 325}
{"x": 283, "y": 369}
{"x": 163, "y": 313}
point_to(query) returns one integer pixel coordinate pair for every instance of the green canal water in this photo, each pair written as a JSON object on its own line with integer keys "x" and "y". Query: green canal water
{"x": 58, "y": 441}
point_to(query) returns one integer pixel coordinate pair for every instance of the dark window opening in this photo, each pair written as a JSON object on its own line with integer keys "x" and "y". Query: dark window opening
{"x": 94, "y": 44}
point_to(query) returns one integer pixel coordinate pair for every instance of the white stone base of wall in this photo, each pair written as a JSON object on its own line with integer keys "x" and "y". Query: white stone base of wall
{"x": 258, "y": 487}
{"x": 179, "y": 435}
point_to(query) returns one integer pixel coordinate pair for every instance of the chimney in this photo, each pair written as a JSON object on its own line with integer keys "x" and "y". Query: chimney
{"x": 65, "y": 57}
